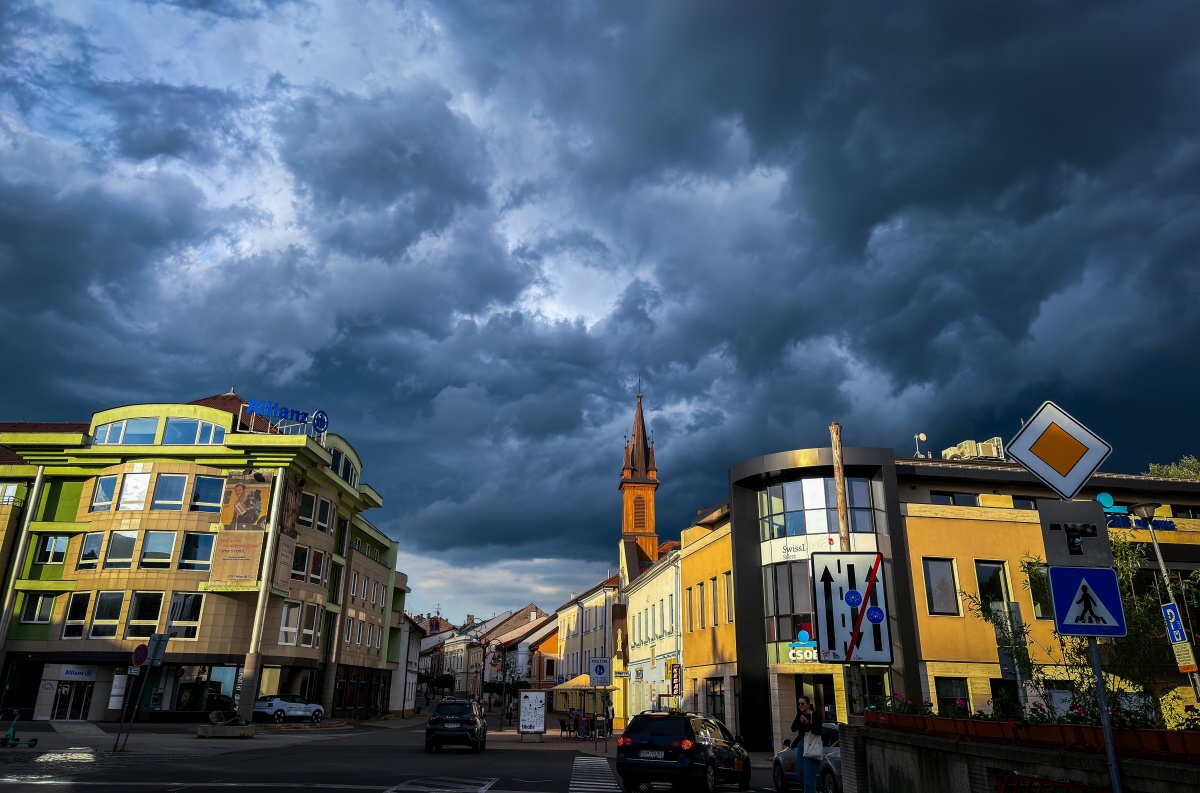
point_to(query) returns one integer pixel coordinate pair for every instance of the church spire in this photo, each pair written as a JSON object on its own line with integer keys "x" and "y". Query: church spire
{"x": 639, "y": 455}
{"x": 639, "y": 480}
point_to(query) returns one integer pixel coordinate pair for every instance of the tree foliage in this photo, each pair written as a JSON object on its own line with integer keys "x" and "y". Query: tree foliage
{"x": 1137, "y": 665}
{"x": 1187, "y": 467}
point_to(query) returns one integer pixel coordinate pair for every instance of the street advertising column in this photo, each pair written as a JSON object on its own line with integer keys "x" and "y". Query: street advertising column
{"x": 533, "y": 712}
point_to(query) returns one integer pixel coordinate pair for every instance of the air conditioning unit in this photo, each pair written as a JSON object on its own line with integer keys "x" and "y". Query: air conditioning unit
{"x": 951, "y": 454}
{"x": 968, "y": 449}
{"x": 988, "y": 449}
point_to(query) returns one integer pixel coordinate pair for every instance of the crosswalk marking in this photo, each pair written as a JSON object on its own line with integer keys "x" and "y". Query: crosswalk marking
{"x": 593, "y": 775}
{"x": 444, "y": 784}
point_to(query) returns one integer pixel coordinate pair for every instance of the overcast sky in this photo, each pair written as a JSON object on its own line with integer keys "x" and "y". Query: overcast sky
{"x": 464, "y": 229}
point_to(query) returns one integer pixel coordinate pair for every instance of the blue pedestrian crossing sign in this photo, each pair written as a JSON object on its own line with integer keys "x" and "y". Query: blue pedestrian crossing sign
{"x": 1087, "y": 601}
{"x": 1175, "y": 632}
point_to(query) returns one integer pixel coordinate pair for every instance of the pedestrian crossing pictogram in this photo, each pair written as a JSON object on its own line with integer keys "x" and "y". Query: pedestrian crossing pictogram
{"x": 1087, "y": 601}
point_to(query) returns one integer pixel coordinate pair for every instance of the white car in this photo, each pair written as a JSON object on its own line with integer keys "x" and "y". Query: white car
{"x": 279, "y": 707}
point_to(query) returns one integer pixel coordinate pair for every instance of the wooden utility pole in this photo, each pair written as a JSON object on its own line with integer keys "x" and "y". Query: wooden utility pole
{"x": 850, "y": 680}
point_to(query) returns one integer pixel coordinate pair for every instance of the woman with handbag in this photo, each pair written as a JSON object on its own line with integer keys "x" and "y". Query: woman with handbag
{"x": 811, "y": 749}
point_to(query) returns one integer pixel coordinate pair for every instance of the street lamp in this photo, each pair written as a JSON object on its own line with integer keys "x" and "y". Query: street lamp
{"x": 1145, "y": 510}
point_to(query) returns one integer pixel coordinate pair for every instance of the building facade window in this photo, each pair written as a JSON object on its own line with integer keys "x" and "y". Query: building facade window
{"x": 353, "y": 586}
{"x": 728, "y": 574}
{"x": 120, "y": 550}
{"x": 300, "y": 563}
{"x": 310, "y": 631}
{"x": 192, "y": 432}
{"x": 289, "y": 623}
{"x": 715, "y": 595}
{"x": 639, "y": 513}
{"x": 37, "y": 608}
{"x": 107, "y": 614}
{"x": 349, "y": 629}
{"x": 51, "y": 549}
{"x": 308, "y": 504}
{"x": 714, "y": 697}
{"x": 206, "y": 493}
{"x": 954, "y": 499}
{"x": 157, "y": 549}
{"x": 800, "y": 506}
{"x": 687, "y": 610}
{"x": 993, "y": 581}
{"x": 102, "y": 495}
{"x": 787, "y": 602}
{"x": 168, "y": 492}
{"x": 183, "y": 615}
{"x": 144, "y": 608}
{"x": 134, "y": 488}
{"x": 324, "y": 515}
{"x": 89, "y": 550}
{"x": 700, "y": 605}
{"x": 316, "y": 569}
{"x": 1043, "y": 606}
{"x": 941, "y": 587}
{"x": 127, "y": 431}
{"x": 953, "y": 697}
{"x": 77, "y": 608}
{"x": 197, "y": 551}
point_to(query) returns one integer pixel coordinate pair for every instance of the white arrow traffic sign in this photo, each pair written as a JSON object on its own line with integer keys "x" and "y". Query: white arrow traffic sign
{"x": 851, "y": 608}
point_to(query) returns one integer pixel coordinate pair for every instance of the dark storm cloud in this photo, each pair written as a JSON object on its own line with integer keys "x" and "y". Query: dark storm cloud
{"x": 383, "y": 169}
{"x": 231, "y": 9}
{"x": 466, "y": 229}
{"x": 189, "y": 122}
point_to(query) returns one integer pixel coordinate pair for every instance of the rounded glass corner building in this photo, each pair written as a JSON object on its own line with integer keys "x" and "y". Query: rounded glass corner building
{"x": 783, "y": 508}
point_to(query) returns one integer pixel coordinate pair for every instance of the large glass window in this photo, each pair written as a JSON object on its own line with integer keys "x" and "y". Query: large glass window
{"x": 144, "y": 609}
{"x": 106, "y": 614}
{"x": 157, "y": 549}
{"x": 77, "y": 608}
{"x": 941, "y": 590}
{"x": 197, "y": 551}
{"x": 192, "y": 432}
{"x": 120, "y": 550}
{"x": 1043, "y": 606}
{"x": 51, "y": 549}
{"x": 127, "y": 431}
{"x": 183, "y": 615}
{"x": 37, "y": 608}
{"x": 993, "y": 583}
{"x": 168, "y": 492}
{"x": 714, "y": 697}
{"x": 316, "y": 568}
{"x": 809, "y": 506}
{"x": 89, "y": 551}
{"x": 133, "y": 491}
{"x": 289, "y": 623}
{"x": 102, "y": 496}
{"x": 953, "y": 698}
{"x": 308, "y": 504}
{"x": 309, "y": 631}
{"x": 299, "y": 563}
{"x": 787, "y": 600}
{"x": 206, "y": 493}
{"x": 324, "y": 512}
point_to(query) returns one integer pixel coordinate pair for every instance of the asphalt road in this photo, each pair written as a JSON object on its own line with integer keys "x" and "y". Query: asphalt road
{"x": 364, "y": 758}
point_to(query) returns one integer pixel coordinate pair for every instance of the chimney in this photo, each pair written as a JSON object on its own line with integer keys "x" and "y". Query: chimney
{"x": 470, "y": 619}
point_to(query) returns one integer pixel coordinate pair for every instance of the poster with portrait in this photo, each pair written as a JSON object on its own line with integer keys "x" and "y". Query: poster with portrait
{"x": 247, "y": 501}
{"x": 289, "y": 511}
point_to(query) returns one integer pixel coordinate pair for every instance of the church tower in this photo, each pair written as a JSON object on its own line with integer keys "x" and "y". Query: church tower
{"x": 639, "y": 480}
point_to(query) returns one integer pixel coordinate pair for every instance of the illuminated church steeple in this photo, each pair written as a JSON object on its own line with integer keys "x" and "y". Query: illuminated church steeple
{"x": 639, "y": 480}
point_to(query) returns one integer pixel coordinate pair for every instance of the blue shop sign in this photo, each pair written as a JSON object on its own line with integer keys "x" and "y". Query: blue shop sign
{"x": 318, "y": 420}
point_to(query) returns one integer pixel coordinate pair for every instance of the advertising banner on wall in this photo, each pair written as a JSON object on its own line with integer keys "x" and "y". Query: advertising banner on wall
{"x": 285, "y": 552}
{"x": 237, "y": 556}
{"x": 247, "y": 501}
{"x": 800, "y": 547}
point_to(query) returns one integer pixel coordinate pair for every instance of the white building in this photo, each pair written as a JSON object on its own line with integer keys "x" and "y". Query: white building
{"x": 655, "y": 635}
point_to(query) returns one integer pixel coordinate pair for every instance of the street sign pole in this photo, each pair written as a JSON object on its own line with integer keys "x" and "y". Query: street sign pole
{"x": 850, "y": 681}
{"x": 1193, "y": 677}
{"x": 1114, "y": 771}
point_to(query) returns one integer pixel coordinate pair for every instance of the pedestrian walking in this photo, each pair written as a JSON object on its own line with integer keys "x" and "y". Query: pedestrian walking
{"x": 809, "y": 747}
{"x": 610, "y": 713}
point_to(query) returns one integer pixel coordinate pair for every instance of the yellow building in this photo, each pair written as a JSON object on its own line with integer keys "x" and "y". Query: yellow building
{"x": 708, "y": 615}
{"x": 655, "y": 634}
{"x": 584, "y": 627}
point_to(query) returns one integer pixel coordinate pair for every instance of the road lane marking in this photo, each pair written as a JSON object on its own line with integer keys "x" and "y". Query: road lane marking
{"x": 593, "y": 775}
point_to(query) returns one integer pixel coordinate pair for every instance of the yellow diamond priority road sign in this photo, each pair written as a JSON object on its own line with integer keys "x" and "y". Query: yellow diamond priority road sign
{"x": 1059, "y": 450}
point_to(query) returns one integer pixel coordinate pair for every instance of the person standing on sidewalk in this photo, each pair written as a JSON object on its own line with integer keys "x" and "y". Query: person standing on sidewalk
{"x": 610, "y": 713}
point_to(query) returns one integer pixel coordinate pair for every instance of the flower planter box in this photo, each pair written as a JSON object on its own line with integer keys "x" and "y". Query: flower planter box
{"x": 988, "y": 729}
{"x": 1045, "y": 733}
{"x": 944, "y": 726}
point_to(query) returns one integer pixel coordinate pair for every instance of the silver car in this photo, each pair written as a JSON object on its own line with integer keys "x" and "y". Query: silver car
{"x": 279, "y": 707}
{"x": 829, "y": 777}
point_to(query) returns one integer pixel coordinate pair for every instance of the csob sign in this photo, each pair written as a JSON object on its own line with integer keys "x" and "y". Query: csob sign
{"x": 273, "y": 410}
{"x": 803, "y": 650}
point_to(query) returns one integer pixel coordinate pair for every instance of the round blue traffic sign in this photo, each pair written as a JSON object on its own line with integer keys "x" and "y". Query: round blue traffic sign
{"x": 140, "y": 654}
{"x": 875, "y": 615}
{"x": 853, "y": 598}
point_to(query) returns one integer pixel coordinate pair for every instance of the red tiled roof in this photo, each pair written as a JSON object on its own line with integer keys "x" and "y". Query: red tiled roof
{"x": 232, "y": 403}
{"x": 9, "y": 457}
{"x": 667, "y": 547}
{"x": 45, "y": 426}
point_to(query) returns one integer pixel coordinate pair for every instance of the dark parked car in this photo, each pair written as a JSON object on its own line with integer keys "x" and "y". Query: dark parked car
{"x": 829, "y": 777}
{"x": 692, "y": 750}
{"x": 456, "y": 721}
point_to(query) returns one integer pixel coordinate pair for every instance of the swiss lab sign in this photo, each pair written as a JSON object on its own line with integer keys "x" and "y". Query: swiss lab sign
{"x": 800, "y": 547}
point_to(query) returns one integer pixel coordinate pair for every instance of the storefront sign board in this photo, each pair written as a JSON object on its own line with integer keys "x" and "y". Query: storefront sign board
{"x": 236, "y": 558}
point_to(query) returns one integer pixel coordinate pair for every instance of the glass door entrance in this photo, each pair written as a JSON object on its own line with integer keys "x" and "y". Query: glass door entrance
{"x": 72, "y": 700}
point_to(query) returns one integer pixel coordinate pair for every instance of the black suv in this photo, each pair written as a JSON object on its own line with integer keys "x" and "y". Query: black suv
{"x": 688, "y": 749}
{"x": 456, "y": 721}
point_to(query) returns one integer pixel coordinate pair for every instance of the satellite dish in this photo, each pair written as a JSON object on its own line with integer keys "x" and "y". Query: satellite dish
{"x": 921, "y": 436}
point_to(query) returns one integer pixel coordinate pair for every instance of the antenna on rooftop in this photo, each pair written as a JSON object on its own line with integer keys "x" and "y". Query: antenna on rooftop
{"x": 920, "y": 436}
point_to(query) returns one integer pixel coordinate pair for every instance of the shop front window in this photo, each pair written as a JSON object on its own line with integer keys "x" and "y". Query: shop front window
{"x": 809, "y": 506}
